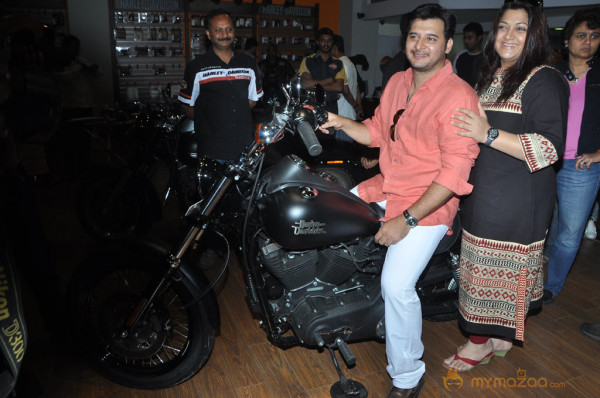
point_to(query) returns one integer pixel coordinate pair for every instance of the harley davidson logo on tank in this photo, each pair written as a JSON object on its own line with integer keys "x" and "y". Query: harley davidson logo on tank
{"x": 311, "y": 227}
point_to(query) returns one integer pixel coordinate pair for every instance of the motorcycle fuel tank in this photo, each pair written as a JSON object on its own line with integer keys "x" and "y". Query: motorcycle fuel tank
{"x": 301, "y": 217}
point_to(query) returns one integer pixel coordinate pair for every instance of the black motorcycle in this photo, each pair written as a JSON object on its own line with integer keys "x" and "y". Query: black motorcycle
{"x": 147, "y": 318}
{"x": 123, "y": 197}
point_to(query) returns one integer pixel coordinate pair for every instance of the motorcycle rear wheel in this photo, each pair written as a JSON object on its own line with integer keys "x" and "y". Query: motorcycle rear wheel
{"x": 169, "y": 346}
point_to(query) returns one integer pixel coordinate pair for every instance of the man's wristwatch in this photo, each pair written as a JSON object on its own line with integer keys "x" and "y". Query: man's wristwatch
{"x": 492, "y": 135}
{"x": 410, "y": 220}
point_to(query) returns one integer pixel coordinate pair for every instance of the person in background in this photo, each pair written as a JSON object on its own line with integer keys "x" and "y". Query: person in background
{"x": 383, "y": 62}
{"x": 251, "y": 48}
{"x": 321, "y": 68}
{"x": 276, "y": 71}
{"x": 220, "y": 88}
{"x": 361, "y": 60}
{"x": 520, "y": 126}
{"x": 349, "y": 104}
{"x": 578, "y": 178}
{"x": 399, "y": 62}
{"x": 467, "y": 63}
{"x": 592, "y": 330}
{"x": 74, "y": 77}
{"x": 424, "y": 168}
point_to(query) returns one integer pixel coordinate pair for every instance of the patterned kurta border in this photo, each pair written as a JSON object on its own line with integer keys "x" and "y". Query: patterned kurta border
{"x": 498, "y": 281}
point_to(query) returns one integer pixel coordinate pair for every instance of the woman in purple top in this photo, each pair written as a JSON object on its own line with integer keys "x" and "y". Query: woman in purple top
{"x": 578, "y": 179}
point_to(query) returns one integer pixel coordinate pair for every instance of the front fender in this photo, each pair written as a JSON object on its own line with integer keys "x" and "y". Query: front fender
{"x": 193, "y": 278}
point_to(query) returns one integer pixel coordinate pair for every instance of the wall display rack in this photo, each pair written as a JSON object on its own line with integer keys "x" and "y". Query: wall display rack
{"x": 292, "y": 29}
{"x": 148, "y": 48}
{"x": 153, "y": 40}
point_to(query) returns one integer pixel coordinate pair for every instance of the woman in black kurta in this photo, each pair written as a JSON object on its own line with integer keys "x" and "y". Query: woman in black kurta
{"x": 507, "y": 215}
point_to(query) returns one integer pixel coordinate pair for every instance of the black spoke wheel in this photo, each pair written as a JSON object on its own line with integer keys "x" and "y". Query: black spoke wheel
{"x": 169, "y": 345}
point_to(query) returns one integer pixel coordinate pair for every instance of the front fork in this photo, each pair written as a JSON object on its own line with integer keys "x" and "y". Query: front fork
{"x": 199, "y": 212}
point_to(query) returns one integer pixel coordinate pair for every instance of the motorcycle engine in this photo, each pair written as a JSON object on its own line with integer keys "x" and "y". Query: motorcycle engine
{"x": 327, "y": 293}
{"x": 332, "y": 265}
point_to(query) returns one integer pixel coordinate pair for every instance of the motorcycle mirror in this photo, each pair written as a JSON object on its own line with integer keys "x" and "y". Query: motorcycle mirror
{"x": 319, "y": 94}
{"x": 296, "y": 87}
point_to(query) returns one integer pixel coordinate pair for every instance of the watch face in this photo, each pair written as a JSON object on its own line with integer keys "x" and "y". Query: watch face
{"x": 410, "y": 220}
{"x": 492, "y": 135}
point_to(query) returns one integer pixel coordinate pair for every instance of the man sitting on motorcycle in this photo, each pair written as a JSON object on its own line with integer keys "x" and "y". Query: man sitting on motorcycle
{"x": 424, "y": 166}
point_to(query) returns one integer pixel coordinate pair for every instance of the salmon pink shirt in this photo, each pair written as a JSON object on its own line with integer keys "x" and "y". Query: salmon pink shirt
{"x": 427, "y": 148}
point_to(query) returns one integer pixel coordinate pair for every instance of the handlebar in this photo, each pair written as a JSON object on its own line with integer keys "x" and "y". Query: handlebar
{"x": 303, "y": 115}
{"x": 304, "y": 120}
{"x": 309, "y": 138}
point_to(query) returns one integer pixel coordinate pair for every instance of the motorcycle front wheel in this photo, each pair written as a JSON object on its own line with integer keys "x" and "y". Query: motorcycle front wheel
{"x": 167, "y": 347}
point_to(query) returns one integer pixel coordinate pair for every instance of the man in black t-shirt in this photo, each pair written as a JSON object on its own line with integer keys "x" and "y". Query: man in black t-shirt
{"x": 467, "y": 63}
{"x": 322, "y": 68}
{"x": 220, "y": 88}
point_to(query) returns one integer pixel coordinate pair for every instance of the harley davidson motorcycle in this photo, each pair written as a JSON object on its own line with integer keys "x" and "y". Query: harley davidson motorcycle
{"x": 125, "y": 198}
{"x": 147, "y": 317}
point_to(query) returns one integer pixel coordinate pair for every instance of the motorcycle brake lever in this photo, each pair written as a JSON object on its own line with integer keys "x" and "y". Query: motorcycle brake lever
{"x": 321, "y": 118}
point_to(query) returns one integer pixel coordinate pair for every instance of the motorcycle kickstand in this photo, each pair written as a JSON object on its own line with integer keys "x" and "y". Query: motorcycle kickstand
{"x": 345, "y": 388}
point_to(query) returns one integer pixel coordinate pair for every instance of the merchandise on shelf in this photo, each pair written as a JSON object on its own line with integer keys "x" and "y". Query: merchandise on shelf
{"x": 152, "y": 47}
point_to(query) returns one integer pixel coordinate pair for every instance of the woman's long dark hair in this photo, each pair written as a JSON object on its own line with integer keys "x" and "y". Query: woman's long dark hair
{"x": 536, "y": 51}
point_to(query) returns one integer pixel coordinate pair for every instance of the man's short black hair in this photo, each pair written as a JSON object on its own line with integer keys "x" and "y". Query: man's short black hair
{"x": 215, "y": 13}
{"x": 250, "y": 42}
{"x": 474, "y": 27}
{"x": 324, "y": 31}
{"x": 338, "y": 41}
{"x": 434, "y": 11}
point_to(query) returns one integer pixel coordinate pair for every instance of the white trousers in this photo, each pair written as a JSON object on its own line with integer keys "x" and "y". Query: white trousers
{"x": 404, "y": 263}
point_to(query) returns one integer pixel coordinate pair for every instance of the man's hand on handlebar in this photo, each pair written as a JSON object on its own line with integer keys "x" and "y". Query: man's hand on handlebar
{"x": 355, "y": 130}
{"x": 334, "y": 122}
